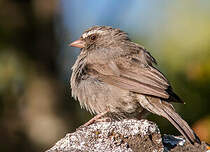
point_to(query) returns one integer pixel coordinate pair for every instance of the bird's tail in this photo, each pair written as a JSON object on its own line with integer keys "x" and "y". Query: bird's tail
{"x": 166, "y": 110}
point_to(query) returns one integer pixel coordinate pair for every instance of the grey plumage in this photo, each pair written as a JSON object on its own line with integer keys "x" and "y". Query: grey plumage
{"x": 114, "y": 74}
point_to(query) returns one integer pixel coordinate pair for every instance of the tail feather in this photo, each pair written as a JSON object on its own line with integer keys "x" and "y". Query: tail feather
{"x": 181, "y": 125}
{"x": 166, "y": 110}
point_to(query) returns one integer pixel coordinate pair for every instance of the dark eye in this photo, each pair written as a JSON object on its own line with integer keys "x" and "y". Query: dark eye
{"x": 92, "y": 37}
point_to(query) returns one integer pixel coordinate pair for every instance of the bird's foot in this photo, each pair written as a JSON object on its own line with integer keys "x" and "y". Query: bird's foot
{"x": 98, "y": 118}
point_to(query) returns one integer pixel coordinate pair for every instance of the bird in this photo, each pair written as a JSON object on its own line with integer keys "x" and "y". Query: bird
{"x": 116, "y": 78}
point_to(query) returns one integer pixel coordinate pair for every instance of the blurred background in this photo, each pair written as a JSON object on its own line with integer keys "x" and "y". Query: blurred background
{"x": 36, "y": 108}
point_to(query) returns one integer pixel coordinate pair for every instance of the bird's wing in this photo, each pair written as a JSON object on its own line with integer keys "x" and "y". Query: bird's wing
{"x": 131, "y": 74}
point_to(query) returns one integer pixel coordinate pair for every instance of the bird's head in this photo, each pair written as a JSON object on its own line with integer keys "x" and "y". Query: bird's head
{"x": 100, "y": 37}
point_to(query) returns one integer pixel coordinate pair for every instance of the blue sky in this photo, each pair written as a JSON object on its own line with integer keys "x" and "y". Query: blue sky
{"x": 125, "y": 14}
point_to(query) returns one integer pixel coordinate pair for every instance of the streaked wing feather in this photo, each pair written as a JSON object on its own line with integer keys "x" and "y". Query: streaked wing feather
{"x": 146, "y": 81}
{"x": 147, "y": 77}
{"x": 134, "y": 86}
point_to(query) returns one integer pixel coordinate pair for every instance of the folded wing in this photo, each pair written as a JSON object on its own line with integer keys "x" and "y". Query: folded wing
{"x": 131, "y": 74}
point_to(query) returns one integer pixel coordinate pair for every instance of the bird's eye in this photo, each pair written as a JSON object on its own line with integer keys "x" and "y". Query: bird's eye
{"x": 92, "y": 37}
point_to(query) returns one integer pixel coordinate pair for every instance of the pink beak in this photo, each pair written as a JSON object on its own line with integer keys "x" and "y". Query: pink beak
{"x": 78, "y": 43}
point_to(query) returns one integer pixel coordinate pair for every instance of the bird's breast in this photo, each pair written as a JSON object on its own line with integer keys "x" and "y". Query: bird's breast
{"x": 97, "y": 96}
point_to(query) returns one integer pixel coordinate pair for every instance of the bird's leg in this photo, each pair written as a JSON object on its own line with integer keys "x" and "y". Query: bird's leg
{"x": 97, "y": 117}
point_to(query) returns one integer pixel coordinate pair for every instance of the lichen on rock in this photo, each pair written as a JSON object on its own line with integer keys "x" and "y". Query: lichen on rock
{"x": 128, "y": 135}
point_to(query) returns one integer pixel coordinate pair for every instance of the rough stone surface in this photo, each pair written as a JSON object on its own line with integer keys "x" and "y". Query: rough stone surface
{"x": 123, "y": 136}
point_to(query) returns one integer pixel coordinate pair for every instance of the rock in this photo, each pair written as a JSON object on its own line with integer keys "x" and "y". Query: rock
{"x": 128, "y": 135}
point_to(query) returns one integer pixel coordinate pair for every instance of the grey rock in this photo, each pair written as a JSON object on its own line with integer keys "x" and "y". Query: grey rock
{"x": 128, "y": 135}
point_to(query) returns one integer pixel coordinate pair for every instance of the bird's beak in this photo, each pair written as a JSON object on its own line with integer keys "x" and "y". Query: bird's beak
{"x": 78, "y": 43}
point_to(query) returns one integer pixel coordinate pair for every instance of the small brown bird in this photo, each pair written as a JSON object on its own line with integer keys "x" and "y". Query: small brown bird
{"x": 115, "y": 77}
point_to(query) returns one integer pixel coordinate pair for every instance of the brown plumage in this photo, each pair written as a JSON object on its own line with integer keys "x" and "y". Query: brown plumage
{"x": 114, "y": 76}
